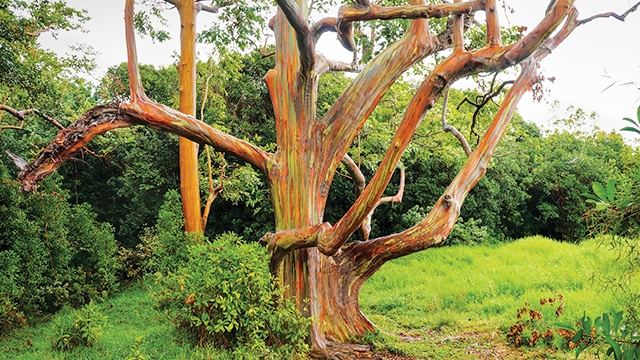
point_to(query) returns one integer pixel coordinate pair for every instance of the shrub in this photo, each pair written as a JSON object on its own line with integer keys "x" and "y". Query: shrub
{"x": 164, "y": 248}
{"x": 78, "y": 328}
{"x": 225, "y": 295}
{"x": 51, "y": 253}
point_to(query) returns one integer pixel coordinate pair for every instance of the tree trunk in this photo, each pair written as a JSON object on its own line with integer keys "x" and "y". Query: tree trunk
{"x": 189, "y": 186}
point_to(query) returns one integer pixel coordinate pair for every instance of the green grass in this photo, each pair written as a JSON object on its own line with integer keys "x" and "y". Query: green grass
{"x": 461, "y": 289}
{"x": 135, "y": 330}
{"x": 447, "y": 303}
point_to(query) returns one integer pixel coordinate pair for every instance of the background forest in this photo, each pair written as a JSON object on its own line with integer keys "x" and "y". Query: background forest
{"x": 112, "y": 216}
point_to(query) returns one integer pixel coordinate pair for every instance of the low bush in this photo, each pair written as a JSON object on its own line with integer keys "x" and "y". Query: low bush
{"x": 225, "y": 295}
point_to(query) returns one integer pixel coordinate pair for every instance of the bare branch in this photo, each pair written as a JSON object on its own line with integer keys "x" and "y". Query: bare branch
{"x": 21, "y": 116}
{"x": 451, "y": 128}
{"x": 323, "y": 65}
{"x": 20, "y": 163}
{"x": 375, "y": 12}
{"x": 38, "y": 32}
{"x": 213, "y": 193}
{"x": 22, "y": 113}
{"x": 611, "y": 14}
{"x": 212, "y": 9}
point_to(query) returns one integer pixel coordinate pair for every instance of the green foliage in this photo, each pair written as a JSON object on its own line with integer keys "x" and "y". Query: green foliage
{"x": 52, "y": 254}
{"x": 609, "y": 332}
{"x": 225, "y": 295}
{"x": 78, "y": 328}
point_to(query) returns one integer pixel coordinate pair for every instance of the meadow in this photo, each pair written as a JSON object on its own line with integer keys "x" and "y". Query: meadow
{"x": 454, "y": 302}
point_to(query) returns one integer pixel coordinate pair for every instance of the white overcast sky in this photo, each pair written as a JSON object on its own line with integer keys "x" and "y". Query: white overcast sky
{"x": 596, "y": 55}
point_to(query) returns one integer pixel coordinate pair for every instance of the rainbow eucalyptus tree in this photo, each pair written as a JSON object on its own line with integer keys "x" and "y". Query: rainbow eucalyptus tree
{"x": 322, "y": 271}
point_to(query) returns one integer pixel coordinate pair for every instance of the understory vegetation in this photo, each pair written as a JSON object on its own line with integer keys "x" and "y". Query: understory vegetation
{"x": 453, "y": 302}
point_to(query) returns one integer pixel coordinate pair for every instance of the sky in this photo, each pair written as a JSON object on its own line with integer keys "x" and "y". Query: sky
{"x": 597, "y": 55}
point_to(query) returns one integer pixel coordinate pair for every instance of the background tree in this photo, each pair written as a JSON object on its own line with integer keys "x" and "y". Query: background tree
{"x": 311, "y": 257}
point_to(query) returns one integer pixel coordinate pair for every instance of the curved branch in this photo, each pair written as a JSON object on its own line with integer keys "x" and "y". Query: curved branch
{"x": 304, "y": 37}
{"x": 458, "y": 65}
{"x": 375, "y": 12}
{"x": 622, "y": 17}
{"x": 108, "y": 117}
{"x": 451, "y": 128}
{"x": 433, "y": 230}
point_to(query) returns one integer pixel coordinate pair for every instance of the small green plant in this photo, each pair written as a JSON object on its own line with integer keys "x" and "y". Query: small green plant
{"x": 81, "y": 327}
{"x": 225, "y": 295}
{"x": 609, "y": 333}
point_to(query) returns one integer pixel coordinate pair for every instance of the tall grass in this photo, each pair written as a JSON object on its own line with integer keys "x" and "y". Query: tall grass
{"x": 462, "y": 285}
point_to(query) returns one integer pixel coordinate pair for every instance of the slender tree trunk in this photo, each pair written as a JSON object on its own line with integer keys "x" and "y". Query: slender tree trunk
{"x": 189, "y": 186}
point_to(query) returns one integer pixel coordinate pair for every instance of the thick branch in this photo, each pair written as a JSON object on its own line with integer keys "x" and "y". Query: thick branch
{"x": 458, "y": 65}
{"x": 375, "y": 12}
{"x": 434, "y": 229}
{"x": 493, "y": 24}
{"x": 304, "y": 36}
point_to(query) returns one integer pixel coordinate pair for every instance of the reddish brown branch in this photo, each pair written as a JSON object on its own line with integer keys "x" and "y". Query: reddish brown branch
{"x": 375, "y": 12}
{"x": 459, "y": 64}
{"x": 21, "y": 116}
{"x": 493, "y": 24}
{"x": 434, "y": 229}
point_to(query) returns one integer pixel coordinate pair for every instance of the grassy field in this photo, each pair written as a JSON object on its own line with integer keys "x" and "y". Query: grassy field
{"x": 453, "y": 297}
{"x": 446, "y": 303}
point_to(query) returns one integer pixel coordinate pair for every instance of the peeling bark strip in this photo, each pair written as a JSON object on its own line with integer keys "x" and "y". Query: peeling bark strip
{"x": 311, "y": 257}
{"x": 70, "y": 140}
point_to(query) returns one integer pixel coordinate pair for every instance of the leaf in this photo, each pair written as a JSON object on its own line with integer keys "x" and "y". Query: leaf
{"x": 631, "y": 121}
{"x": 564, "y": 326}
{"x": 611, "y": 190}
{"x": 578, "y": 336}
{"x": 627, "y": 128}
{"x": 590, "y": 196}
{"x": 638, "y": 114}
{"x": 616, "y": 321}
{"x": 601, "y": 206}
{"x": 600, "y": 191}
{"x": 616, "y": 347}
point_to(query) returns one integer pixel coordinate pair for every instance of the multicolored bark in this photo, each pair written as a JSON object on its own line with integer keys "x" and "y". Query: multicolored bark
{"x": 312, "y": 258}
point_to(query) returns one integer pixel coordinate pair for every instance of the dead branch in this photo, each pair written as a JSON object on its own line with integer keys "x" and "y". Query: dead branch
{"x": 21, "y": 116}
{"x": 38, "y": 32}
{"x": 213, "y": 192}
{"x": 622, "y": 17}
{"x": 481, "y": 101}
{"x": 323, "y": 65}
